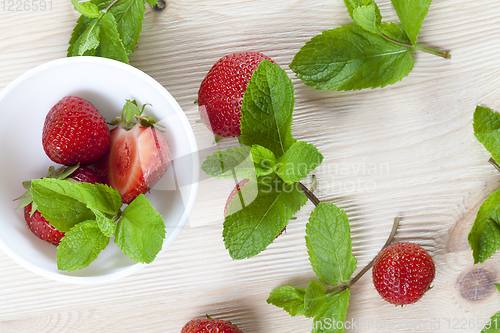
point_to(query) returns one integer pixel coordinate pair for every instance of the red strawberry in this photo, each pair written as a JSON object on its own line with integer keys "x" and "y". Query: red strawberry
{"x": 221, "y": 92}
{"x": 75, "y": 132}
{"x": 36, "y": 222}
{"x": 210, "y": 325}
{"x": 137, "y": 158}
{"x": 402, "y": 273}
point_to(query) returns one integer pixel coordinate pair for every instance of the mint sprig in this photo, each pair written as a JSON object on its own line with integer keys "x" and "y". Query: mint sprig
{"x": 328, "y": 241}
{"x": 484, "y": 237}
{"x": 107, "y": 28}
{"x": 367, "y": 54}
{"x": 90, "y": 214}
{"x": 271, "y": 158}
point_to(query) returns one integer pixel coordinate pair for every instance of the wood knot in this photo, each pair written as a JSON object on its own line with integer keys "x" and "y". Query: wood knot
{"x": 477, "y": 284}
{"x": 160, "y": 5}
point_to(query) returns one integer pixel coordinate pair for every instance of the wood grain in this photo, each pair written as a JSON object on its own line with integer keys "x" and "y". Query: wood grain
{"x": 406, "y": 150}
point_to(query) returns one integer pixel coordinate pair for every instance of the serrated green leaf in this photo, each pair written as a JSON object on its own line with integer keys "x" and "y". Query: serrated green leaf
{"x": 88, "y": 41}
{"x": 299, "y": 160}
{"x": 105, "y": 223}
{"x": 487, "y": 130}
{"x": 152, "y": 2}
{"x": 328, "y": 241}
{"x": 80, "y": 246}
{"x": 412, "y": 13}
{"x": 62, "y": 211}
{"x": 264, "y": 160}
{"x": 129, "y": 15}
{"x": 314, "y": 299}
{"x": 288, "y": 298}
{"x": 266, "y": 112}
{"x": 235, "y": 162}
{"x": 81, "y": 26}
{"x": 351, "y": 58}
{"x": 64, "y": 204}
{"x": 111, "y": 45}
{"x": 250, "y": 230}
{"x": 498, "y": 287}
{"x": 331, "y": 317}
{"x": 87, "y": 9}
{"x": 366, "y": 14}
{"x": 140, "y": 231}
{"x": 493, "y": 326}
{"x": 484, "y": 237}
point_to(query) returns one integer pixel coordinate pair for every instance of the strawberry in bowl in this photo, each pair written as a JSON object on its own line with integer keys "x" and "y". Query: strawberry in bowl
{"x": 138, "y": 156}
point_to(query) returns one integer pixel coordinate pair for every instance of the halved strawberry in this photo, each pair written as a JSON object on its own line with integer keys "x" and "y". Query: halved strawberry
{"x": 36, "y": 222}
{"x": 138, "y": 155}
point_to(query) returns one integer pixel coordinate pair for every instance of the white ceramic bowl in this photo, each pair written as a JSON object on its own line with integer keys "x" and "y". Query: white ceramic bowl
{"x": 106, "y": 84}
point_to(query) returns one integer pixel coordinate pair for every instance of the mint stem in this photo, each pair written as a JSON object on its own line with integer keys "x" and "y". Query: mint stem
{"x": 343, "y": 287}
{"x": 495, "y": 164}
{"x": 310, "y": 195}
{"x": 443, "y": 54}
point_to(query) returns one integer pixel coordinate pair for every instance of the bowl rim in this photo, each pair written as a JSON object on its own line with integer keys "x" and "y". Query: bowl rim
{"x": 192, "y": 143}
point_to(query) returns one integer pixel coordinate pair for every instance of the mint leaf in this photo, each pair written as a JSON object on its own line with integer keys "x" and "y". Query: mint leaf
{"x": 266, "y": 112}
{"x": 299, "y": 160}
{"x": 484, "y": 237}
{"x": 62, "y": 211}
{"x": 104, "y": 223}
{"x": 64, "y": 204}
{"x": 331, "y": 317}
{"x": 366, "y": 14}
{"x": 80, "y": 246}
{"x": 81, "y": 26}
{"x": 250, "y": 230}
{"x": 231, "y": 163}
{"x": 140, "y": 231}
{"x": 152, "y": 2}
{"x": 264, "y": 160}
{"x": 129, "y": 15}
{"x": 328, "y": 241}
{"x": 87, "y": 9}
{"x": 487, "y": 130}
{"x": 288, "y": 298}
{"x": 351, "y": 58}
{"x": 111, "y": 44}
{"x": 412, "y": 13}
{"x": 88, "y": 41}
{"x": 493, "y": 326}
{"x": 314, "y": 299}
{"x": 498, "y": 287}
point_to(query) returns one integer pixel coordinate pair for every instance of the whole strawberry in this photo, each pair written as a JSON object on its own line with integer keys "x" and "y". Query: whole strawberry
{"x": 38, "y": 225}
{"x": 74, "y": 132}
{"x": 221, "y": 92}
{"x": 402, "y": 273}
{"x": 210, "y": 325}
{"x": 138, "y": 154}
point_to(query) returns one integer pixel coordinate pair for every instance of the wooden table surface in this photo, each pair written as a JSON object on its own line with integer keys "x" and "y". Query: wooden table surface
{"x": 405, "y": 150}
